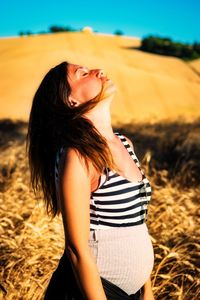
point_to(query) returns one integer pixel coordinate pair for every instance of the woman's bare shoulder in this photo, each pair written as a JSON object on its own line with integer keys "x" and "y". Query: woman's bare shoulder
{"x": 76, "y": 162}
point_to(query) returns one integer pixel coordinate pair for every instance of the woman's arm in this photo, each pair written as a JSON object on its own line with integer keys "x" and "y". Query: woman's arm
{"x": 75, "y": 208}
{"x": 148, "y": 293}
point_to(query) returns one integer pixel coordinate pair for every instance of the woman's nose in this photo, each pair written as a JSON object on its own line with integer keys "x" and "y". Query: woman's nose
{"x": 100, "y": 73}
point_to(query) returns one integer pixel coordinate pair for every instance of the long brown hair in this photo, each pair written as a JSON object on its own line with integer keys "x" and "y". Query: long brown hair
{"x": 54, "y": 124}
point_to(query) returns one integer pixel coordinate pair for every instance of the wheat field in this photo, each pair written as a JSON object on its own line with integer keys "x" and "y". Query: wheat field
{"x": 32, "y": 243}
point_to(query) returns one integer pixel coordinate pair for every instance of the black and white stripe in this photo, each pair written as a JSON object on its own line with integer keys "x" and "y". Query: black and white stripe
{"x": 119, "y": 202}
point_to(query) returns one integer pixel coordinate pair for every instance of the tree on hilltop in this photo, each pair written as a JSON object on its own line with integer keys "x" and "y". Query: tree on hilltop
{"x": 118, "y": 32}
{"x": 56, "y": 28}
{"x": 165, "y": 46}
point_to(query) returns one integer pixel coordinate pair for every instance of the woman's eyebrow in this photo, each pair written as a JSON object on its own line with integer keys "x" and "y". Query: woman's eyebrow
{"x": 73, "y": 71}
{"x": 76, "y": 70}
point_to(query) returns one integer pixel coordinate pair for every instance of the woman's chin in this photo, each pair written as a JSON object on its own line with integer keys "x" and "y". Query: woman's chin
{"x": 108, "y": 90}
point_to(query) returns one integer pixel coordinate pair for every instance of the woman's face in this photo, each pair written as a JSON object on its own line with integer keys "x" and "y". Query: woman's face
{"x": 85, "y": 84}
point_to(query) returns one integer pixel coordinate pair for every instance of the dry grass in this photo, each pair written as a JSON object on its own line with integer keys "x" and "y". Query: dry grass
{"x": 31, "y": 243}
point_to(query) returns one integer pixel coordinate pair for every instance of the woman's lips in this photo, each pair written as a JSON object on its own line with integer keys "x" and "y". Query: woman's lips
{"x": 105, "y": 79}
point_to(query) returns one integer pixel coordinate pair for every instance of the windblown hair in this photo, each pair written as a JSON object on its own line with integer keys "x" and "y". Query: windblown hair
{"x": 54, "y": 124}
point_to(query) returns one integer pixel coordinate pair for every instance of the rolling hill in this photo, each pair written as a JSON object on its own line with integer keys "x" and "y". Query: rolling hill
{"x": 149, "y": 87}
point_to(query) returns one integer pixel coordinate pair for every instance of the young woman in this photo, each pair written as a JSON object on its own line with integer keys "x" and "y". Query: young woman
{"x": 90, "y": 175}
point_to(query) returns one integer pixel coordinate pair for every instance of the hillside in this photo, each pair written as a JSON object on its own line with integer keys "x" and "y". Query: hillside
{"x": 150, "y": 86}
{"x": 195, "y": 65}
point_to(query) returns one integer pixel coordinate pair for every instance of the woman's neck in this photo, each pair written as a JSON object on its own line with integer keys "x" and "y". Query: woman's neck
{"x": 101, "y": 118}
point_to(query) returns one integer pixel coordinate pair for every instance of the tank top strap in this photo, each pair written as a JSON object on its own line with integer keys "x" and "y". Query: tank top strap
{"x": 130, "y": 150}
{"x": 57, "y": 161}
{"x": 125, "y": 142}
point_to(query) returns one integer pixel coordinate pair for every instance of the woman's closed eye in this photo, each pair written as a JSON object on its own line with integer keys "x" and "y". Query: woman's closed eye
{"x": 85, "y": 73}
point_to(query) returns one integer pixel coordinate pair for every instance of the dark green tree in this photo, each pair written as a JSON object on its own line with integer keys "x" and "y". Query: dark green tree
{"x": 165, "y": 46}
{"x": 118, "y": 32}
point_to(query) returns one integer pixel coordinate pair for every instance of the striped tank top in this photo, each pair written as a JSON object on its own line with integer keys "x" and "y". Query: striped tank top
{"x": 117, "y": 202}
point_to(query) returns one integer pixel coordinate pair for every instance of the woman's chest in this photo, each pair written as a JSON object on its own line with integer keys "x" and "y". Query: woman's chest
{"x": 128, "y": 166}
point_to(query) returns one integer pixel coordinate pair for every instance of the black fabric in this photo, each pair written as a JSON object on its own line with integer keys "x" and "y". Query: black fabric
{"x": 63, "y": 285}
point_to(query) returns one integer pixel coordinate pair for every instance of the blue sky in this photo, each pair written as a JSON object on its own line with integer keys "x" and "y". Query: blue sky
{"x": 177, "y": 19}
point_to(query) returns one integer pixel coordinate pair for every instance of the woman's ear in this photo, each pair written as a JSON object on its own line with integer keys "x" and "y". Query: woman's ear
{"x": 72, "y": 102}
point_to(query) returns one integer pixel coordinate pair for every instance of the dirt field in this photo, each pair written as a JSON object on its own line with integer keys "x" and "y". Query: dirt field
{"x": 150, "y": 87}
